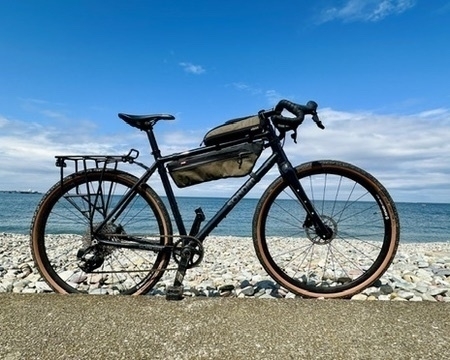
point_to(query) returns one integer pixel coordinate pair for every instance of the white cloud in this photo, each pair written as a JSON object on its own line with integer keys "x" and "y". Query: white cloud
{"x": 248, "y": 88}
{"x": 272, "y": 96}
{"x": 3, "y": 121}
{"x": 27, "y": 151}
{"x": 192, "y": 69}
{"x": 366, "y": 10}
{"x": 409, "y": 154}
{"x": 404, "y": 152}
{"x": 179, "y": 141}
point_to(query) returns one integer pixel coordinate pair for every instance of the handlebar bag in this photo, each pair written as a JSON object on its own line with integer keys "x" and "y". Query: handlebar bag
{"x": 236, "y": 129}
{"x": 232, "y": 161}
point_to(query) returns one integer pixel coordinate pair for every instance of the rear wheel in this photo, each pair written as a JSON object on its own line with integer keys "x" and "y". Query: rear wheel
{"x": 68, "y": 255}
{"x": 353, "y": 204}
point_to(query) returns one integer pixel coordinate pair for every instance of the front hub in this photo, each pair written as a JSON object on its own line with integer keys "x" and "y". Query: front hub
{"x": 317, "y": 238}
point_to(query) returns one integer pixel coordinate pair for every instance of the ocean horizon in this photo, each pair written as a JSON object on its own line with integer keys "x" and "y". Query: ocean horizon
{"x": 420, "y": 222}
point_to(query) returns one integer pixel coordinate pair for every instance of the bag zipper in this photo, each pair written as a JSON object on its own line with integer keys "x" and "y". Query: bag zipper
{"x": 239, "y": 154}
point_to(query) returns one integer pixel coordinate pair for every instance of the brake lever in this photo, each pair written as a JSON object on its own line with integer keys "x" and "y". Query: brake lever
{"x": 316, "y": 119}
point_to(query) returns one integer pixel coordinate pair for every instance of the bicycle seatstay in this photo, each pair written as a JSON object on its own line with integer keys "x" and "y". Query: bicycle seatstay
{"x": 125, "y": 200}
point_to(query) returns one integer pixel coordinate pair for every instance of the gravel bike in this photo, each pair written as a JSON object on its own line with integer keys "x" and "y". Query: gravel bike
{"x": 321, "y": 229}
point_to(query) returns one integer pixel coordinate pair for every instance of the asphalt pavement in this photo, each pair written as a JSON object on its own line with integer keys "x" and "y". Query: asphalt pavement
{"x": 52, "y": 326}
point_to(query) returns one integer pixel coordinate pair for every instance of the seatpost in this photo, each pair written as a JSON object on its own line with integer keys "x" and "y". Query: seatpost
{"x": 153, "y": 144}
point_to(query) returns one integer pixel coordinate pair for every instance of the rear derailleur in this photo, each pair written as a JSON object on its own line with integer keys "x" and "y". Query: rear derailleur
{"x": 90, "y": 258}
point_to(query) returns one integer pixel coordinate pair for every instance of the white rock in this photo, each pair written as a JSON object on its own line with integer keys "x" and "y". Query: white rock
{"x": 405, "y": 294}
{"x": 418, "y": 269}
{"x": 427, "y": 297}
{"x": 247, "y": 291}
{"x": 437, "y": 291}
{"x": 359, "y": 297}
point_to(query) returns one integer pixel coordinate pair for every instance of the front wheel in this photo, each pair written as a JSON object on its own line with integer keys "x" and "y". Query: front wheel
{"x": 67, "y": 251}
{"x": 353, "y": 204}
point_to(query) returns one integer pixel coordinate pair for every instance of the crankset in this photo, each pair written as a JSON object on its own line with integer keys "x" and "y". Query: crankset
{"x": 189, "y": 247}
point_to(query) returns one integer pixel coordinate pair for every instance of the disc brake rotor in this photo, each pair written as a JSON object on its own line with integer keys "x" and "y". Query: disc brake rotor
{"x": 316, "y": 239}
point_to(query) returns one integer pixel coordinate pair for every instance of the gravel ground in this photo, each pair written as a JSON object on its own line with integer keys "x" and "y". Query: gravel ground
{"x": 419, "y": 272}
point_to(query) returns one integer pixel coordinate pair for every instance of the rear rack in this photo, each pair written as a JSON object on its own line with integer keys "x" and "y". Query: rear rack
{"x": 85, "y": 162}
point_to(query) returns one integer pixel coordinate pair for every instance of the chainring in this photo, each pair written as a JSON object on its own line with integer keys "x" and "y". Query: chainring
{"x": 191, "y": 247}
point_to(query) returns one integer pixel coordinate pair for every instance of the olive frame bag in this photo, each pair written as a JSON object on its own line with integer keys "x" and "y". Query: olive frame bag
{"x": 233, "y": 161}
{"x": 244, "y": 128}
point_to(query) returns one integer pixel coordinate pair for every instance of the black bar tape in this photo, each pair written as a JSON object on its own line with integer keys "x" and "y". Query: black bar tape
{"x": 291, "y": 107}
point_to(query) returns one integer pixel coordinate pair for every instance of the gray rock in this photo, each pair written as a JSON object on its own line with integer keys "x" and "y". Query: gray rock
{"x": 386, "y": 289}
{"x": 442, "y": 272}
{"x": 437, "y": 291}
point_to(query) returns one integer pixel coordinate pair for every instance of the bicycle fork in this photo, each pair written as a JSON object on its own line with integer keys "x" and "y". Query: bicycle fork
{"x": 312, "y": 218}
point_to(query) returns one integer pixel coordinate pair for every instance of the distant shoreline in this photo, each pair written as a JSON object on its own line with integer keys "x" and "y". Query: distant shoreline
{"x": 251, "y": 198}
{"x": 20, "y": 192}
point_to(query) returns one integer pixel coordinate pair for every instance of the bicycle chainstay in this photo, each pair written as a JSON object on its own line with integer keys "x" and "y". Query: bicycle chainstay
{"x": 187, "y": 245}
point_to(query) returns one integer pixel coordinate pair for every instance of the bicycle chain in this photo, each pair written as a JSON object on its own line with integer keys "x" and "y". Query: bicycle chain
{"x": 197, "y": 252}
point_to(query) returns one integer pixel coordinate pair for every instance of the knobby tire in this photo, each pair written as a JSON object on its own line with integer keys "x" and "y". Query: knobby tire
{"x": 62, "y": 226}
{"x": 350, "y": 201}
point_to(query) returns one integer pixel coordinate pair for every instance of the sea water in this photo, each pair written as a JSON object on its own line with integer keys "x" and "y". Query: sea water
{"x": 420, "y": 222}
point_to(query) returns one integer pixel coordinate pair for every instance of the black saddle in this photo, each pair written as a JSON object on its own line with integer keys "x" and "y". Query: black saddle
{"x": 144, "y": 122}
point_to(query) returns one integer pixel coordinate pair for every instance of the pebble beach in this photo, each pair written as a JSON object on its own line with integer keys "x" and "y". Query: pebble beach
{"x": 419, "y": 272}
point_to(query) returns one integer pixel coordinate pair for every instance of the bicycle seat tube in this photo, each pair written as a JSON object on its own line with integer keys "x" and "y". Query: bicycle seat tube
{"x": 165, "y": 181}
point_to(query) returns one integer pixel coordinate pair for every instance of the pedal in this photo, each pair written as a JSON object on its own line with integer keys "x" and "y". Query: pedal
{"x": 174, "y": 293}
{"x": 199, "y": 217}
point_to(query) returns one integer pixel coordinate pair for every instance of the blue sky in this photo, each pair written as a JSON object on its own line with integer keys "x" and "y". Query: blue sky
{"x": 378, "y": 69}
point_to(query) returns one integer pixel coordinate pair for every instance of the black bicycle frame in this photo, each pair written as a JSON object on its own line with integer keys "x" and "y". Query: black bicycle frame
{"x": 278, "y": 156}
